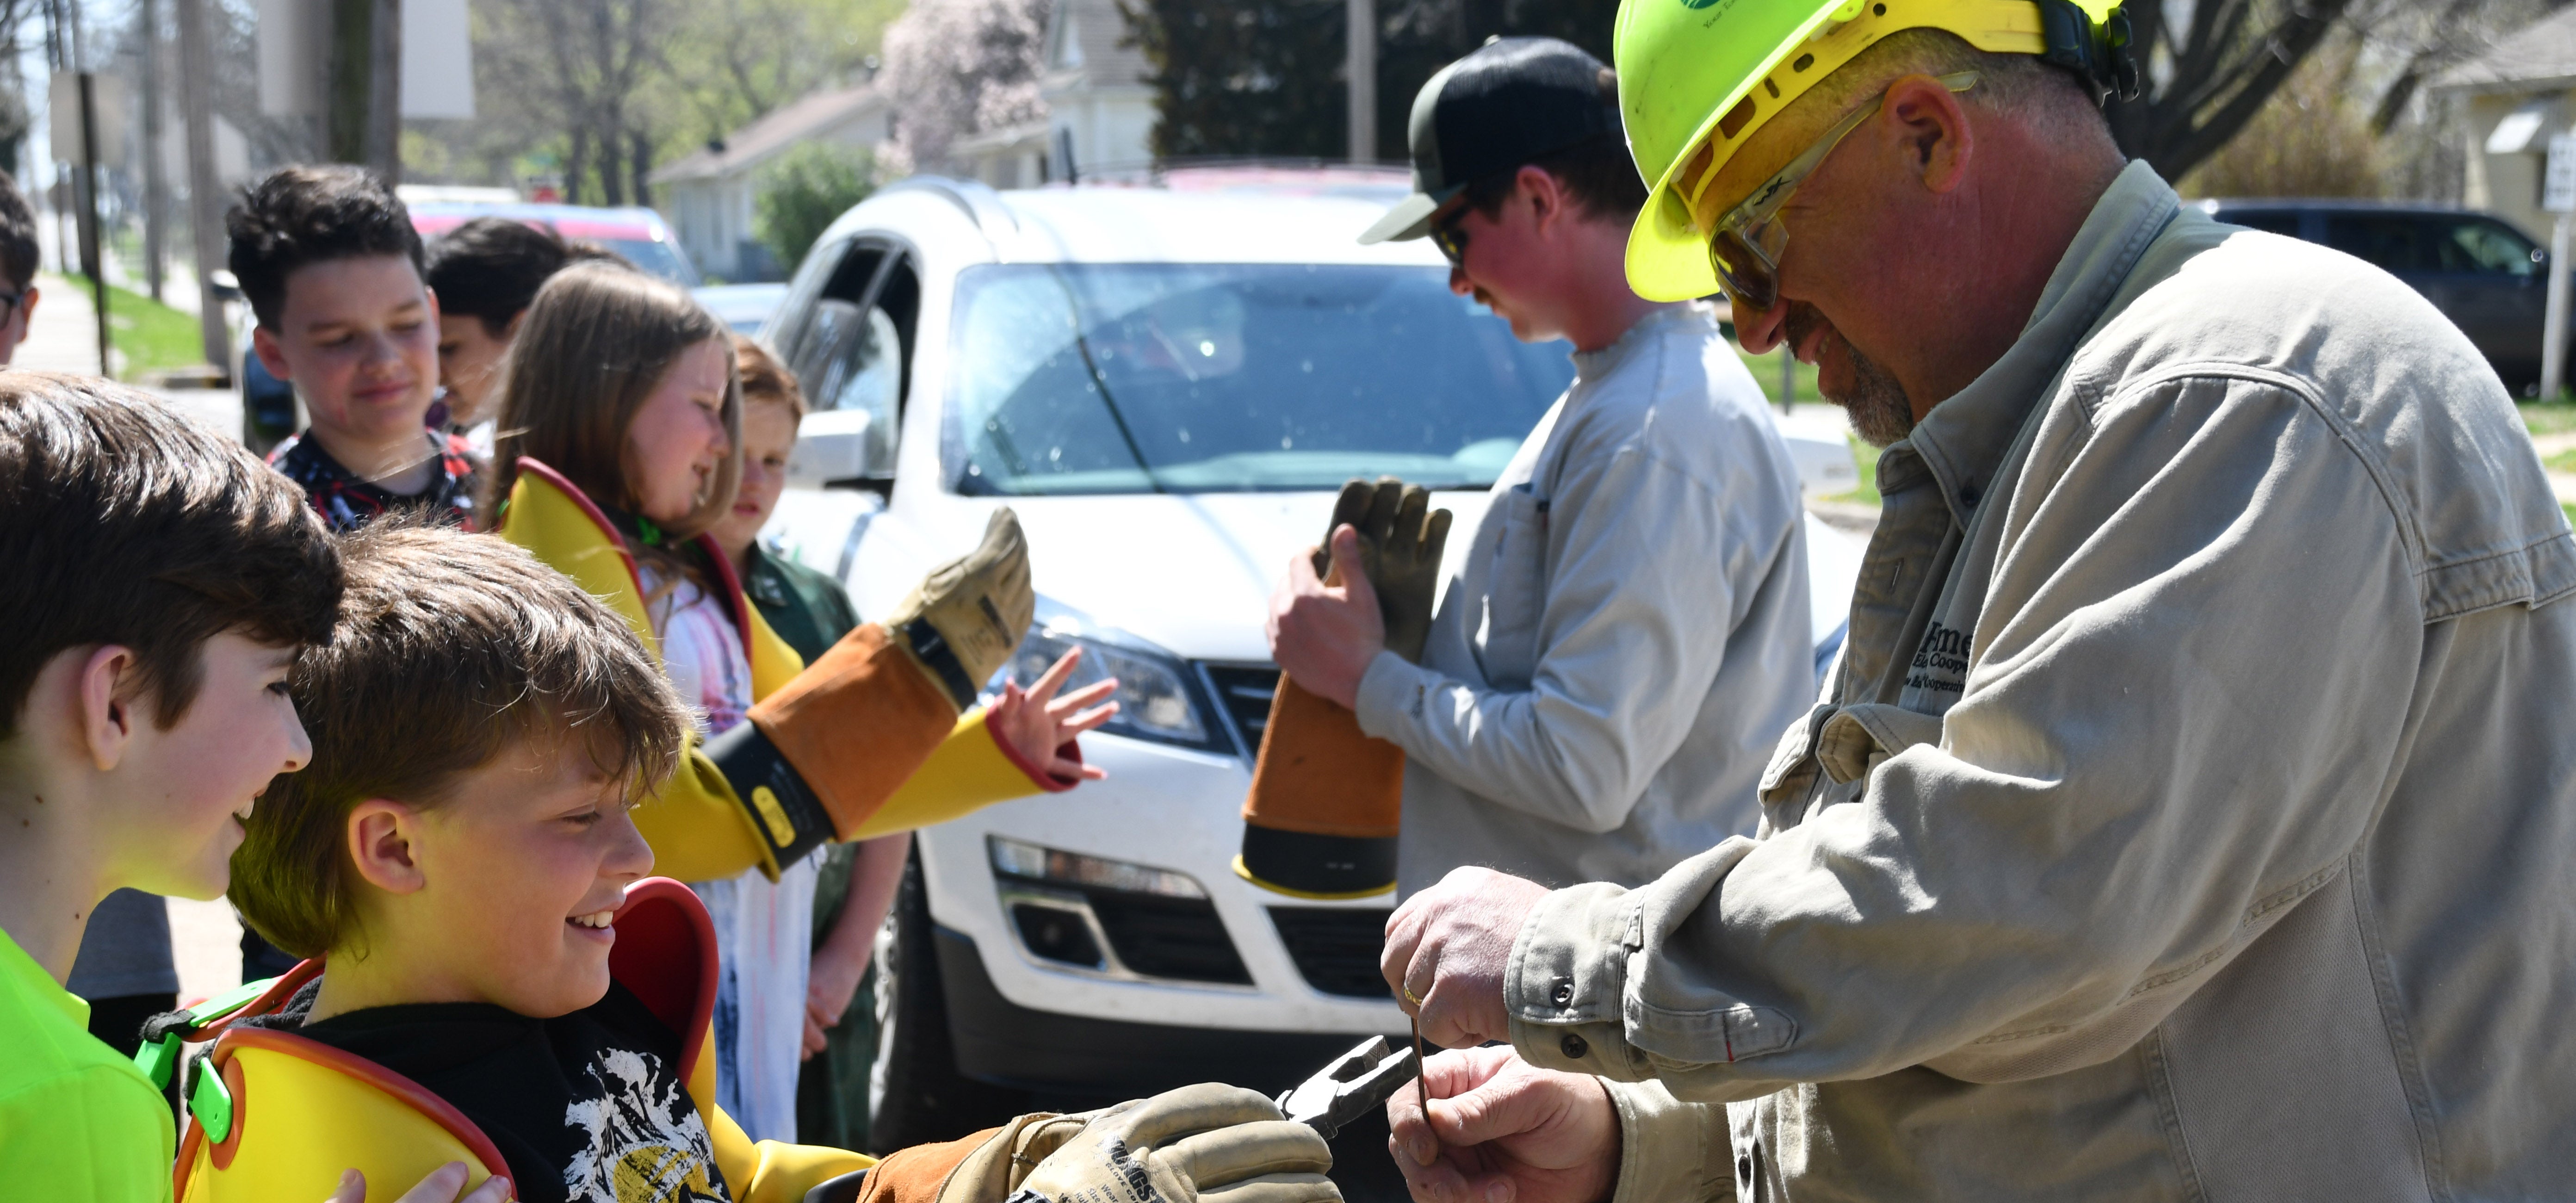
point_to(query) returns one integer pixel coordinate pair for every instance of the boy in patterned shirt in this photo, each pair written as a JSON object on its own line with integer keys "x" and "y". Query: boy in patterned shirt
{"x": 332, "y": 268}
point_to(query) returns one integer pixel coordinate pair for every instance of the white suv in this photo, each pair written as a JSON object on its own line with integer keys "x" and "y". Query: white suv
{"x": 1168, "y": 383}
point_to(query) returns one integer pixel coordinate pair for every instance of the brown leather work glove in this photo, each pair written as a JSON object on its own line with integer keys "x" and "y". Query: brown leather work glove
{"x": 1327, "y": 799}
{"x": 829, "y": 747}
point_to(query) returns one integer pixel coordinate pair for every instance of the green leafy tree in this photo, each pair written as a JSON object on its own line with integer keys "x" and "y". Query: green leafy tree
{"x": 804, "y": 191}
{"x": 1265, "y": 77}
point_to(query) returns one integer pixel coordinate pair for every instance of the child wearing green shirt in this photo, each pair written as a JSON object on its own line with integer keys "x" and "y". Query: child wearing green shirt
{"x": 162, "y": 581}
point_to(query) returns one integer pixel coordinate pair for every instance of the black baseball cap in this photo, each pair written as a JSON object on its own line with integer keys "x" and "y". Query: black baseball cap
{"x": 1513, "y": 100}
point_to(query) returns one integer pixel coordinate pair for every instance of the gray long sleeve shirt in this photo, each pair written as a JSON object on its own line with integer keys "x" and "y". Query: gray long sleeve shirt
{"x": 1629, "y": 632}
{"x": 2194, "y": 813}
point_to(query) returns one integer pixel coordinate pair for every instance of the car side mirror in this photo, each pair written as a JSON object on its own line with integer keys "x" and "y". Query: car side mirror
{"x": 833, "y": 446}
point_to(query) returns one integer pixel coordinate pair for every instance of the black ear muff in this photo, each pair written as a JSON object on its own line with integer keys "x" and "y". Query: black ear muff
{"x": 2099, "y": 56}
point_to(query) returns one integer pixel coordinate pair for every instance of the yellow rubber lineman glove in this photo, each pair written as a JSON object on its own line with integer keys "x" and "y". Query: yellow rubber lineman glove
{"x": 1223, "y": 1142}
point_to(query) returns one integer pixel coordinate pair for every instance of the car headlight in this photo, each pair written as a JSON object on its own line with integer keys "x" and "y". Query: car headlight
{"x": 1158, "y": 695}
{"x": 1012, "y": 858}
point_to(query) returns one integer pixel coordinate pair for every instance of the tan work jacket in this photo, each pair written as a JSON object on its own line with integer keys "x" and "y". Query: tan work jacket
{"x": 2194, "y": 813}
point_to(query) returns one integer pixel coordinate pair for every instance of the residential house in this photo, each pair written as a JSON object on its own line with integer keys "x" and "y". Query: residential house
{"x": 2516, "y": 96}
{"x": 707, "y": 196}
{"x": 1099, "y": 107}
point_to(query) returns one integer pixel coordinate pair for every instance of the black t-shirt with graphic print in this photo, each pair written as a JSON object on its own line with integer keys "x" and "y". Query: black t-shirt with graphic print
{"x": 347, "y": 502}
{"x": 587, "y": 1107}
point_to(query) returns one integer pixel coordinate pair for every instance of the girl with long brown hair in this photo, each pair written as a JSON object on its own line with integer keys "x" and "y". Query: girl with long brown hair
{"x": 619, "y": 446}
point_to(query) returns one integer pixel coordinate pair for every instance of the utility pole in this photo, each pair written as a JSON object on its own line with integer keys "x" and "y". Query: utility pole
{"x": 205, "y": 191}
{"x": 1361, "y": 68}
{"x": 156, "y": 185}
{"x": 2558, "y": 196}
{"x": 363, "y": 92}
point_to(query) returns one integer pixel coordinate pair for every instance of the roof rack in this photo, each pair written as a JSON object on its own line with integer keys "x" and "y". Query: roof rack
{"x": 974, "y": 198}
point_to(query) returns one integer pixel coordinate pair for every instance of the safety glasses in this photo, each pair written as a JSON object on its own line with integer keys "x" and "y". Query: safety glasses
{"x": 1744, "y": 246}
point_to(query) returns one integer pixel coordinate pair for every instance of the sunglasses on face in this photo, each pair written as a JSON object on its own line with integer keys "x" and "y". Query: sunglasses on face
{"x": 1744, "y": 246}
{"x": 1452, "y": 241}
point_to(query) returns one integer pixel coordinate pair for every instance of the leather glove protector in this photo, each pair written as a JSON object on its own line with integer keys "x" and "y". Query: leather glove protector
{"x": 1209, "y": 1140}
{"x": 1327, "y": 800}
{"x": 839, "y": 738}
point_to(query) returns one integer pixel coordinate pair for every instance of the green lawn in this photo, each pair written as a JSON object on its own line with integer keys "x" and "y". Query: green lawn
{"x": 2564, "y": 461}
{"x": 2556, "y": 417}
{"x": 1766, "y": 370}
{"x": 1867, "y": 457}
{"x": 153, "y": 336}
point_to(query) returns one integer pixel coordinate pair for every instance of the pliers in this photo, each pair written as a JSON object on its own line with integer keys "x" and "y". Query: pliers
{"x": 1356, "y": 1083}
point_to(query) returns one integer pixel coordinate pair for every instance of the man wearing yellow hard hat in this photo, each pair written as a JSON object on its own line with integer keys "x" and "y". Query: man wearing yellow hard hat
{"x": 2190, "y": 815}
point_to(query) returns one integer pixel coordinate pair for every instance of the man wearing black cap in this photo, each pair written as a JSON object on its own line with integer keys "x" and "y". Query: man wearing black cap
{"x": 1631, "y": 629}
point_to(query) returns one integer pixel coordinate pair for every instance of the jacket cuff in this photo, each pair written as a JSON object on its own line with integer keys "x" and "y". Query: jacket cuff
{"x": 1391, "y": 696}
{"x": 1044, "y": 780}
{"x": 783, "y": 808}
{"x": 1669, "y": 1149}
{"x": 1568, "y": 976}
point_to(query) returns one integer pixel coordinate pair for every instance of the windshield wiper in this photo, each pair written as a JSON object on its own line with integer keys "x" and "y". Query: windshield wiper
{"x": 1082, "y": 344}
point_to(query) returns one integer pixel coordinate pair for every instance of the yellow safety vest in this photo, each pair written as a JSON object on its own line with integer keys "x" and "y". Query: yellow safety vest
{"x": 285, "y": 1115}
{"x": 699, "y": 829}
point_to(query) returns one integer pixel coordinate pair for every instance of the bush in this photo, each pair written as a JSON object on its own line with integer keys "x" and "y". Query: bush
{"x": 804, "y": 191}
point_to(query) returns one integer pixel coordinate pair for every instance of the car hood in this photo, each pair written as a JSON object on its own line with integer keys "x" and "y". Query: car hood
{"x": 1190, "y": 572}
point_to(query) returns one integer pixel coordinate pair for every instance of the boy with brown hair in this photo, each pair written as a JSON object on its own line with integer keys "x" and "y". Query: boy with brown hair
{"x": 333, "y": 270}
{"x": 461, "y": 865}
{"x": 162, "y": 582}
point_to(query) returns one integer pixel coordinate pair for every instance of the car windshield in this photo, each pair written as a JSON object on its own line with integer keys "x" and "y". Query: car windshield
{"x": 1193, "y": 377}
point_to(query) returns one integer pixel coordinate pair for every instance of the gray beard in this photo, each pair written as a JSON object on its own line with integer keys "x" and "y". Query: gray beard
{"x": 1876, "y": 404}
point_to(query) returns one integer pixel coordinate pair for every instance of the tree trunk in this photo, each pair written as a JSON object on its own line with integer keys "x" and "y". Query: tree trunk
{"x": 639, "y": 161}
{"x": 156, "y": 189}
{"x": 205, "y": 193}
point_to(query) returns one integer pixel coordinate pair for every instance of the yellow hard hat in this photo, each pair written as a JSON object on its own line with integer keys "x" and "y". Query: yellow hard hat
{"x": 1697, "y": 77}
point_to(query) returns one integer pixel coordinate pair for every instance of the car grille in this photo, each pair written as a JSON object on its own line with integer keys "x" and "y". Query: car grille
{"x": 1178, "y": 938}
{"x": 1336, "y": 948}
{"x": 1243, "y": 692}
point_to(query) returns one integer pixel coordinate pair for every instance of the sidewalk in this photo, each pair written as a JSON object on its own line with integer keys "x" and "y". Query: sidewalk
{"x": 64, "y": 335}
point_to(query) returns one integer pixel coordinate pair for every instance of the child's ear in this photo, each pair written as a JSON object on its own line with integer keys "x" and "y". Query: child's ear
{"x": 380, "y": 834}
{"x": 107, "y": 704}
{"x": 271, "y": 355}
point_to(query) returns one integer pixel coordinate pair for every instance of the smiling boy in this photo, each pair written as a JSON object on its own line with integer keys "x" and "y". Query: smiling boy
{"x": 162, "y": 582}
{"x": 332, "y": 268}
{"x": 460, "y": 861}
{"x": 458, "y": 849}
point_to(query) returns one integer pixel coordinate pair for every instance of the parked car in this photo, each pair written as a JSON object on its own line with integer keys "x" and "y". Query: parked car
{"x": 2489, "y": 278}
{"x": 638, "y": 234}
{"x": 743, "y": 308}
{"x": 270, "y": 410}
{"x": 1168, "y": 384}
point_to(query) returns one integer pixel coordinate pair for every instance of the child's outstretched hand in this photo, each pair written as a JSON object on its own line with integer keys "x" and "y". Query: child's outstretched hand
{"x": 1035, "y": 722}
{"x": 439, "y": 1187}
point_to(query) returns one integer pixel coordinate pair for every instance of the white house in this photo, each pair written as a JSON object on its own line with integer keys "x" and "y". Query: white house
{"x": 707, "y": 196}
{"x": 2517, "y": 96}
{"x": 1099, "y": 107}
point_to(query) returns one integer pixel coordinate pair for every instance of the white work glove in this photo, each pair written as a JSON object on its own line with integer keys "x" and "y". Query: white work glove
{"x": 1222, "y": 1143}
